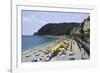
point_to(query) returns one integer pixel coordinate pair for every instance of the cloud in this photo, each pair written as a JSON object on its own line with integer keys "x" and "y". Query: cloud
{"x": 33, "y": 16}
{"x": 29, "y": 18}
{"x": 43, "y": 21}
{"x": 34, "y": 19}
{"x": 26, "y": 19}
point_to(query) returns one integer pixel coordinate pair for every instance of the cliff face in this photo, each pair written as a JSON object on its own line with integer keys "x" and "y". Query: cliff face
{"x": 57, "y": 29}
{"x": 85, "y": 29}
{"x": 86, "y": 24}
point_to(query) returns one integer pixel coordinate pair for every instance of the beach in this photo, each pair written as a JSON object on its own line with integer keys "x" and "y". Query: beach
{"x": 31, "y": 52}
{"x": 61, "y": 49}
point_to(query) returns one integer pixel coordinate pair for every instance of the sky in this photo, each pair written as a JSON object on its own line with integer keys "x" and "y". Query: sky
{"x": 32, "y": 21}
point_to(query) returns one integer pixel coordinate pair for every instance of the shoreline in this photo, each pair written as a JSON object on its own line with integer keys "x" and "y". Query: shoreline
{"x": 55, "y": 36}
{"x": 39, "y": 47}
{"x": 40, "y": 50}
{"x": 55, "y": 51}
{"x": 30, "y": 53}
{"x": 34, "y": 48}
{"x": 27, "y": 57}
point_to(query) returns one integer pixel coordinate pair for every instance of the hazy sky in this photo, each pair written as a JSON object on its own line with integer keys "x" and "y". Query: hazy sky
{"x": 32, "y": 21}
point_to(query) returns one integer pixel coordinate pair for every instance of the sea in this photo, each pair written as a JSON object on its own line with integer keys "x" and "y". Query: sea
{"x": 32, "y": 42}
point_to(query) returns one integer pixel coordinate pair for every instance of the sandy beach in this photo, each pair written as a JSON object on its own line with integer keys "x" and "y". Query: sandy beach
{"x": 26, "y": 57}
{"x": 62, "y": 49}
{"x": 40, "y": 51}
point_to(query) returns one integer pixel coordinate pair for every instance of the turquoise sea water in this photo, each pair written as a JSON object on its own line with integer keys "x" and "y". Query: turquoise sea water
{"x": 30, "y": 42}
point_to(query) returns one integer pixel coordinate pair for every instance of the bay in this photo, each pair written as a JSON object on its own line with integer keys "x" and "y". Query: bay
{"x": 30, "y": 42}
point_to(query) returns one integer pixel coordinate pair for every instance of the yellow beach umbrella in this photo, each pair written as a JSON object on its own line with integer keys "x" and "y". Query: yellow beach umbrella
{"x": 61, "y": 49}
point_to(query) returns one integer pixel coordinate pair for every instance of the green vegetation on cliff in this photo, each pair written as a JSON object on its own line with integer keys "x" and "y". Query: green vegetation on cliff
{"x": 57, "y": 29}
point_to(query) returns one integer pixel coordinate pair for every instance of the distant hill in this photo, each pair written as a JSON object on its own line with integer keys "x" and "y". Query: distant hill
{"x": 57, "y": 29}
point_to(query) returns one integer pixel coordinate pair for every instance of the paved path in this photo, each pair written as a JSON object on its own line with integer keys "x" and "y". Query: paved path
{"x": 75, "y": 49}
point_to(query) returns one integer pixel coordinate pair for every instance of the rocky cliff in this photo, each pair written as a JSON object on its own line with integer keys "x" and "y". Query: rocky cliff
{"x": 85, "y": 29}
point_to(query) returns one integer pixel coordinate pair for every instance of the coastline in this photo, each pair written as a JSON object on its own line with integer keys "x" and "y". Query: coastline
{"x": 29, "y": 55}
{"x": 31, "y": 51}
{"x": 61, "y": 49}
{"x": 59, "y": 37}
{"x": 39, "y": 47}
